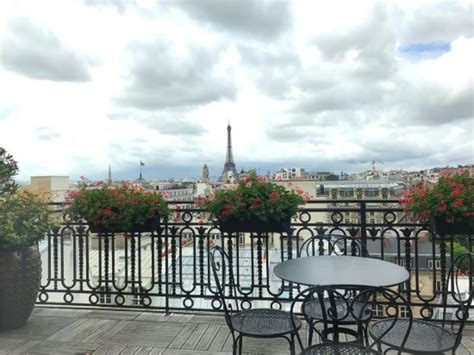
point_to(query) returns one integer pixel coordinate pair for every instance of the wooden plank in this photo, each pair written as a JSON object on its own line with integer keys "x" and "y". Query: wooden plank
{"x": 468, "y": 342}
{"x": 77, "y": 329}
{"x": 158, "y": 335}
{"x": 62, "y": 347}
{"x": 195, "y": 352}
{"x": 38, "y": 328}
{"x": 60, "y": 312}
{"x": 195, "y": 336}
{"x": 150, "y": 316}
{"x": 186, "y": 318}
{"x": 103, "y": 337}
{"x": 220, "y": 339}
{"x": 186, "y": 332}
{"x": 206, "y": 339}
{"x": 111, "y": 349}
{"x": 209, "y": 319}
{"x": 16, "y": 346}
{"x": 118, "y": 315}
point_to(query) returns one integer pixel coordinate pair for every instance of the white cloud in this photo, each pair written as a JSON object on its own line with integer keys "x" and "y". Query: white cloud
{"x": 319, "y": 84}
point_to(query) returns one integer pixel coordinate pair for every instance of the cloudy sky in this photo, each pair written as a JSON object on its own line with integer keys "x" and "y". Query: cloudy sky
{"x": 327, "y": 85}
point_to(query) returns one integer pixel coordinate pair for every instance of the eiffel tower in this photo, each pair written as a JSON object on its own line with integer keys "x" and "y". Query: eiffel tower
{"x": 229, "y": 167}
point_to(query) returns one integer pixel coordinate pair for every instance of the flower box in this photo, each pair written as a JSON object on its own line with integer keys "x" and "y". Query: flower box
{"x": 254, "y": 205}
{"x": 439, "y": 226}
{"x": 255, "y": 226}
{"x": 114, "y": 209}
{"x": 447, "y": 205}
{"x": 146, "y": 227}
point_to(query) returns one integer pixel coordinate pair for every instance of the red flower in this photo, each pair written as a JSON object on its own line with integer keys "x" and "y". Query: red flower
{"x": 458, "y": 203}
{"x": 454, "y": 193}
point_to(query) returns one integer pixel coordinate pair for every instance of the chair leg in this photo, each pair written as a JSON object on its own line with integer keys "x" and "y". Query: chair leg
{"x": 310, "y": 335}
{"x": 234, "y": 344}
{"x": 292, "y": 344}
{"x": 240, "y": 344}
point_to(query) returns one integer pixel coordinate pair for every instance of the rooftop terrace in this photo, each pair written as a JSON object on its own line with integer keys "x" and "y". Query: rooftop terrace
{"x": 76, "y": 331}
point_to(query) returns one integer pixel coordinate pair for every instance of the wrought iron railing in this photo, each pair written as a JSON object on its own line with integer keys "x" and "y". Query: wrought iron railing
{"x": 168, "y": 268}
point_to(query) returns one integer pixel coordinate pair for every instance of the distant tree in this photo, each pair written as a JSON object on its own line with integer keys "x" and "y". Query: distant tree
{"x": 459, "y": 249}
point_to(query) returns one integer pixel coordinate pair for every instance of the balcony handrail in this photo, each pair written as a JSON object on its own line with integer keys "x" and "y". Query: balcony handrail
{"x": 168, "y": 268}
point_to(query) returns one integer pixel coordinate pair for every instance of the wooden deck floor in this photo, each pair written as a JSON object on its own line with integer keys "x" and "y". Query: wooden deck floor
{"x": 73, "y": 331}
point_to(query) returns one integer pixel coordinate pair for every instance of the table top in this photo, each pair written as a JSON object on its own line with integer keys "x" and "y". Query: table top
{"x": 341, "y": 270}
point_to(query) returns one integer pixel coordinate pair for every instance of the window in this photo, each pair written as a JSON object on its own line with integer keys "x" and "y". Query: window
{"x": 403, "y": 261}
{"x": 437, "y": 264}
{"x": 104, "y": 296}
{"x": 136, "y": 297}
{"x": 371, "y": 192}
{"x": 378, "y": 310}
{"x": 372, "y": 221}
{"x": 404, "y": 312}
{"x": 348, "y": 221}
{"x": 346, "y": 193}
{"x": 439, "y": 286}
{"x": 241, "y": 238}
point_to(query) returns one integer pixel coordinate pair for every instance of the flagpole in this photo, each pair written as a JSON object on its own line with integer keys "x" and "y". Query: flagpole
{"x": 140, "y": 169}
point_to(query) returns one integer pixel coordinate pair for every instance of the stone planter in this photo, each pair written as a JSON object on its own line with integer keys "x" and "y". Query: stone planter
{"x": 439, "y": 226}
{"x": 255, "y": 226}
{"x": 20, "y": 277}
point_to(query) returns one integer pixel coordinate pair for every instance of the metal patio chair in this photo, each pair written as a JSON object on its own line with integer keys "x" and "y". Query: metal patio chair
{"x": 255, "y": 323}
{"x": 429, "y": 337}
{"x": 336, "y": 245}
{"x": 334, "y": 314}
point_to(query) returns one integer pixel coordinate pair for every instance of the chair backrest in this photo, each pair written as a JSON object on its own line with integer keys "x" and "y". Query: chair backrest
{"x": 223, "y": 275}
{"x": 333, "y": 244}
{"x": 340, "y": 302}
{"x": 453, "y": 295}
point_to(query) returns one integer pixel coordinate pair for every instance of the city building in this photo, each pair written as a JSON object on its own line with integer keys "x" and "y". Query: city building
{"x": 55, "y": 186}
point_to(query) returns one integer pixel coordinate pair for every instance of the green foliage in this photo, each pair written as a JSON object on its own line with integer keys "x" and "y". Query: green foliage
{"x": 452, "y": 198}
{"x": 119, "y": 208}
{"x": 459, "y": 249}
{"x": 254, "y": 199}
{"x": 8, "y": 169}
{"x": 24, "y": 215}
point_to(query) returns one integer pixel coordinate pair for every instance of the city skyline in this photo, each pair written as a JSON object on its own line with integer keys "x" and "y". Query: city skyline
{"x": 328, "y": 87}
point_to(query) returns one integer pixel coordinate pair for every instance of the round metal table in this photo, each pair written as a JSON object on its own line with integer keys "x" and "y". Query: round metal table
{"x": 341, "y": 270}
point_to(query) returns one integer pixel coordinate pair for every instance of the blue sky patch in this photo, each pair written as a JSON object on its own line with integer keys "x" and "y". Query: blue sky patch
{"x": 424, "y": 50}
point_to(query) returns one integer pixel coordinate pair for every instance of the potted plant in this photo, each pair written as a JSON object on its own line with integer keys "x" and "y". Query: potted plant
{"x": 113, "y": 209}
{"x": 447, "y": 205}
{"x": 24, "y": 220}
{"x": 254, "y": 205}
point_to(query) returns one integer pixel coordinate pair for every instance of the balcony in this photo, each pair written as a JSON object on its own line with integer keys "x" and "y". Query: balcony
{"x": 79, "y": 331}
{"x": 164, "y": 276}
